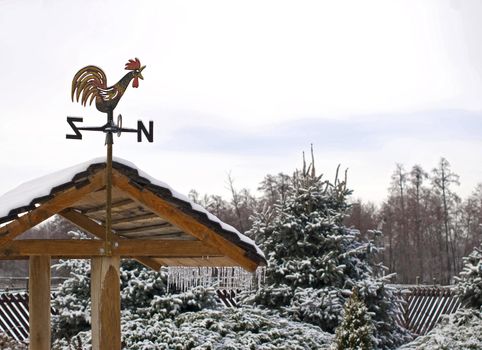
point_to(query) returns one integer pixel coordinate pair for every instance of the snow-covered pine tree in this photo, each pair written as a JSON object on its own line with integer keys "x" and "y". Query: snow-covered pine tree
{"x": 314, "y": 261}
{"x": 356, "y": 329}
{"x": 469, "y": 283}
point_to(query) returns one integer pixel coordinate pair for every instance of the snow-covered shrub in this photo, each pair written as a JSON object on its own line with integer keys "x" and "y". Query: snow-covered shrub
{"x": 143, "y": 294}
{"x": 196, "y": 299}
{"x": 461, "y": 330}
{"x": 356, "y": 329}
{"x": 72, "y": 300}
{"x": 316, "y": 306}
{"x": 140, "y": 285}
{"x": 469, "y": 283}
{"x": 228, "y": 329}
{"x": 7, "y": 343}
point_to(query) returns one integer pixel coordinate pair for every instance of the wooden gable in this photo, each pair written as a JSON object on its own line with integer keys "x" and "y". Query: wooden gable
{"x": 150, "y": 222}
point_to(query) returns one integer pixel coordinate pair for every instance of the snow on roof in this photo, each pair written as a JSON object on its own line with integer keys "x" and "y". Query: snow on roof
{"x": 24, "y": 194}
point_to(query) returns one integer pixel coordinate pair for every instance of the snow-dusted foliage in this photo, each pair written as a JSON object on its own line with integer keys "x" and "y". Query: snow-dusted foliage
{"x": 382, "y": 301}
{"x": 143, "y": 295}
{"x": 463, "y": 329}
{"x": 228, "y": 329}
{"x": 314, "y": 261}
{"x": 7, "y": 343}
{"x": 140, "y": 285}
{"x": 469, "y": 284}
{"x": 152, "y": 319}
{"x": 459, "y": 331}
{"x": 356, "y": 329}
{"x": 72, "y": 300}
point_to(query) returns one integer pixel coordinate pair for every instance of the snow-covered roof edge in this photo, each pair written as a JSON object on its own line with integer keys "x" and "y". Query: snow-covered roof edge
{"x": 24, "y": 195}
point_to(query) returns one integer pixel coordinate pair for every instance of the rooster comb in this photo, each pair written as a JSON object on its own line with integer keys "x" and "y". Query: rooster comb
{"x": 133, "y": 64}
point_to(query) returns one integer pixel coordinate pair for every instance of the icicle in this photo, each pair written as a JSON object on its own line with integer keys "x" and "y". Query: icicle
{"x": 181, "y": 278}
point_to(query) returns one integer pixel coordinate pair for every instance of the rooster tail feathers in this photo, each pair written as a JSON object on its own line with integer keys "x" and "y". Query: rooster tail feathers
{"x": 86, "y": 82}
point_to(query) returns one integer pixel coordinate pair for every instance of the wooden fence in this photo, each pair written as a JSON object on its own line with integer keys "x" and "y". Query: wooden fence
{"x": 422, "y": 307}
{"x": 14, "y": 315}
{"x": 421, "y": 310}
{"x": 425, "y": 305}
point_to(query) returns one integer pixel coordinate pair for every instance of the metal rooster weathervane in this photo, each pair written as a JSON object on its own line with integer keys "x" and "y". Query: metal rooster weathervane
{"x": 91, "y": 83}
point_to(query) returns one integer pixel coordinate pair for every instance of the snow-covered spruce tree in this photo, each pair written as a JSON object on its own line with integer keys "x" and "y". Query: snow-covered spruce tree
{"x": 314, "y": 261}
{"x": 356, "y": 329}
{"x": 469, "y": 283}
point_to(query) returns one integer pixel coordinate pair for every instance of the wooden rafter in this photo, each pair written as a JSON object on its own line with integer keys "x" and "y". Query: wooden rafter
{"x": 134, "y": 218}
{"x": 142, "y": 229}
{"x": 183, "y": 221}
{"x": 53, "y": 206}
{"x": 102, "y": 207}
{"x": 85, "y": 223}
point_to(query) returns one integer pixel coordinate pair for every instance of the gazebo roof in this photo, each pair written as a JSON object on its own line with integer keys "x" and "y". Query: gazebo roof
{"x": 143, "y": 210}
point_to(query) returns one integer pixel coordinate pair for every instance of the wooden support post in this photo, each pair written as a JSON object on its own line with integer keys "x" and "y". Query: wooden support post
{"x": 39, "y": 302}
{"x": 105, "y": 295}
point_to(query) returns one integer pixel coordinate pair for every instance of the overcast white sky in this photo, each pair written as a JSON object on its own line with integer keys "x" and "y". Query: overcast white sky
{"x": 245, "y": 86}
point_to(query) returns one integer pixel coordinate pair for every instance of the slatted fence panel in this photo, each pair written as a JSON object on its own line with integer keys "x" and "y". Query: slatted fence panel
{"x": 422, "y": 309}
{"x": 14, "y": 315}
{"x": 425, "y": 305}
{"x": 227, "y": 297}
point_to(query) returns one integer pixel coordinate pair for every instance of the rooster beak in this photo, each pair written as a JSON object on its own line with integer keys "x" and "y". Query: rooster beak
{"x": 140, "y": 72}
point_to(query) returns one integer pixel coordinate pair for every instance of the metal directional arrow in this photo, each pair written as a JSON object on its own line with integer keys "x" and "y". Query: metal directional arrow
{"x": 89, "y": 84}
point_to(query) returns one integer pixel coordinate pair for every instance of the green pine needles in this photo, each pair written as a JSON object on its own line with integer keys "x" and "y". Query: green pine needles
{"x": 356, "y": 330}
{"x": 469, "y": 284}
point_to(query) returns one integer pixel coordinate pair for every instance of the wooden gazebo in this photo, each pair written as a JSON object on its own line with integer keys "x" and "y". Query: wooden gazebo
{"x": 150, "y": 223}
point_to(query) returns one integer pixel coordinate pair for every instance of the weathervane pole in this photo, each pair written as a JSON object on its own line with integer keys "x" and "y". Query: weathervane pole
{"x": 108, "y": 184}
{"x": 90, "y": 83}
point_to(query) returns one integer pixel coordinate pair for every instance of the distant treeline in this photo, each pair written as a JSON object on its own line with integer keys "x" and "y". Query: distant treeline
{"x": 427, "y": 228}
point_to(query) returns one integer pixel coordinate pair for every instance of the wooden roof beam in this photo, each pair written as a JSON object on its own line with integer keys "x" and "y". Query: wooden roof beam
{"x": 188, "y": 224}
{"x": 162, "y": 236}
{"x": 71, "y": 248}
{"x": 51, "y": 207}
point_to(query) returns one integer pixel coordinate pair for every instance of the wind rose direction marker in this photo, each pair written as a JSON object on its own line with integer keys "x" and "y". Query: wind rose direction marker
{"x": 89, "y": 84}
{"x": 115, "y": 129}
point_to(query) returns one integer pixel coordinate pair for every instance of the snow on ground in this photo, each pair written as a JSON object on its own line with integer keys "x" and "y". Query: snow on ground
{"x": 459, "y": 331}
